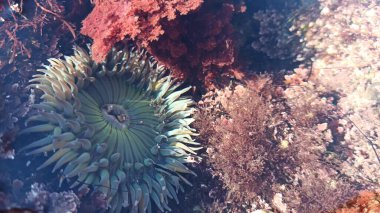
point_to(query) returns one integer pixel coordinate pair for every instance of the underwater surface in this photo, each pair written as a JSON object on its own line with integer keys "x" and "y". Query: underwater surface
{"x": 189, "y": 106}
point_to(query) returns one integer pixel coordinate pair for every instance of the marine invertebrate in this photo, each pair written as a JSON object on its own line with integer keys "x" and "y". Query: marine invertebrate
{"x": 120, "y": 126}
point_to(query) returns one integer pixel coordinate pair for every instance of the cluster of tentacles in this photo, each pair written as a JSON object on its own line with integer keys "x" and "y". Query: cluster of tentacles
{"x": 121, "y": 126}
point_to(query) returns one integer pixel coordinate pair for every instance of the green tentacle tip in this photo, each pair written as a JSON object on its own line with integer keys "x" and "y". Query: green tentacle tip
{"x": 121, "y": 126}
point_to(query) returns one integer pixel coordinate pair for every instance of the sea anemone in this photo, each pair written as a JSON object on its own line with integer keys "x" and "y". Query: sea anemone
{"x": 121, "y": 126}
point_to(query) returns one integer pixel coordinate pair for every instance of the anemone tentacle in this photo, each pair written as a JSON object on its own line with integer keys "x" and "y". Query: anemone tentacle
{"x": 122, "y": 126}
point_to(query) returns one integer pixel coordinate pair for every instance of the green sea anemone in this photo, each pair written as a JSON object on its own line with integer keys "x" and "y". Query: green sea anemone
{"x": 121, "y": 126}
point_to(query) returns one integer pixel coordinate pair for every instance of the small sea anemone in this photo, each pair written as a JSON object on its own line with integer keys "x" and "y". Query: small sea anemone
{"x": 121, "y": 126}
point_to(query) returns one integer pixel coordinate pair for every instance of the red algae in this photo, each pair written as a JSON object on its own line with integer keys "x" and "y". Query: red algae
{"x": 199, "y": 43}
{"x": 112, "y": 21}
{"x": 195, "y": 46}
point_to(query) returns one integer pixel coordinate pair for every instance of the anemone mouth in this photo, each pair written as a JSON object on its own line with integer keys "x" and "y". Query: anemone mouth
{"x": 115, "y": 115}
{"x": 122, "y": 127}
{"x": 112, "y": 106}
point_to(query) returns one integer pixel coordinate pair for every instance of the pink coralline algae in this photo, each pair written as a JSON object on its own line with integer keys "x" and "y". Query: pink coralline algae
{"x": 112, "y": 21}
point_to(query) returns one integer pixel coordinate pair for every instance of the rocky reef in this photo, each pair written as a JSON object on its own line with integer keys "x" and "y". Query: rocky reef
{"x": 283, "y": 96}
